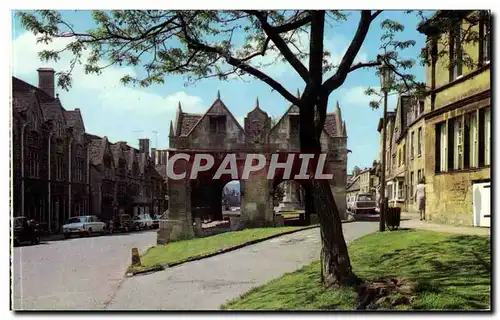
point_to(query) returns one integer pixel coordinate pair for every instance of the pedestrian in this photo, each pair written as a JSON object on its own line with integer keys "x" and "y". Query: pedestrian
{"x": 420, "y": 197}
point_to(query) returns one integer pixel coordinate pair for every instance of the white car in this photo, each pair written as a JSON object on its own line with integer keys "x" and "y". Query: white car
{"x": 143, "y": 221}
{"x": 83, "y": 225}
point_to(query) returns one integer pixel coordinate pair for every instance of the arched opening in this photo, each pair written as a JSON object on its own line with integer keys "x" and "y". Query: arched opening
{"x": 210, "y": 198}
{"x": 231, "y": 199}
{"x": 292, "y": 200}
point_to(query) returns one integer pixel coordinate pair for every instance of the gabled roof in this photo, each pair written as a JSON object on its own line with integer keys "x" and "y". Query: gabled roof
{"x": 97, "y": 149}
{"x": 331, "y": 127}
{"x": 354, "y": 185}
{"x": 217, "y": 103}
{"x": 74, "y": 119}
{"x": 116, "y": 150}
{"x": 188, "y": 122}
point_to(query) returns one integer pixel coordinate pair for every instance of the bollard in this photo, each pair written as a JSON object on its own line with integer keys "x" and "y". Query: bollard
{"x": 136, "y": 259}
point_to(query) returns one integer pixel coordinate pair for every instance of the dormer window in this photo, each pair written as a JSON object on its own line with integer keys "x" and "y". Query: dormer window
{"x": 34, "y": 121}
{"x": 217, "y": 124}
{"x": 294, "y": 122}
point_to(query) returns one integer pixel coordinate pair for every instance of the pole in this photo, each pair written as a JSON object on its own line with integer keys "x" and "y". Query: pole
{"x": 382, "y": 178}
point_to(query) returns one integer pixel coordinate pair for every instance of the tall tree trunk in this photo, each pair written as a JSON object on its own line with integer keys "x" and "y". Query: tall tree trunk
{"x": 335, "y": 263}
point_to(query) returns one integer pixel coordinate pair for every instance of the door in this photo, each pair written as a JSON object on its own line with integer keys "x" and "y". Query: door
{"x": 481, "y": 205}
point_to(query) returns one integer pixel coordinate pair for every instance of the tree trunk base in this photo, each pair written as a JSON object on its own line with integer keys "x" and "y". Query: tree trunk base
{"x": 385, "y": 293}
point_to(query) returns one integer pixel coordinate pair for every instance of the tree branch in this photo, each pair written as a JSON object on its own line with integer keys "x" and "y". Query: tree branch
{"x": 259, "y": 52}
{"x": 339, "y": 77}
{"x": 364, "y": 65}
{"x": 292, "y": 25}
{"x": 235, "y": 62}
{"x": 281, "y": 45}
{"x": 375, "y": 15}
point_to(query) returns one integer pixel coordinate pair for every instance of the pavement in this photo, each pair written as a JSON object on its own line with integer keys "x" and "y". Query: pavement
{"x": 415, "y": 223}
{"x": 207, "y": 284}
{"x": 88, "y": 273}
{"x": 73, "y": 274}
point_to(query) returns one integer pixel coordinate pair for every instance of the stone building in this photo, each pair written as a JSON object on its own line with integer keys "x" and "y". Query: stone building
{"x": 50, "y": 162}
{"x": 457, "y": 131}
{"x": 125, "y": 179}
{"x": 404, "y": 151}
{"x": 59, "y": 171}
{"x": 219, "y": 133}
{"x": 352, "y": 188}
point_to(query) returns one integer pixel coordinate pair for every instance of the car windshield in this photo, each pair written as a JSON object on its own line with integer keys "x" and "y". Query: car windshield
{"x": 365, "y": 198}
{"x": 73, "y": 220}
{"x": 18, "y": 222}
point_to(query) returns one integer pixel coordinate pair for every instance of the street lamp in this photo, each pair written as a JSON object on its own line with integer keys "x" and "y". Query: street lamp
{"x": 386, "y": 78}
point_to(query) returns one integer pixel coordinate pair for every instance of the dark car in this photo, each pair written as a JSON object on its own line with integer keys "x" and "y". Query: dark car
{"x": 26, "y": 230}
{"x": 123, "y": 223}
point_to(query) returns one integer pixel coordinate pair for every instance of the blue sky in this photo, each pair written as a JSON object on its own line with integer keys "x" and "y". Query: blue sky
{"x": 122, "y": 113}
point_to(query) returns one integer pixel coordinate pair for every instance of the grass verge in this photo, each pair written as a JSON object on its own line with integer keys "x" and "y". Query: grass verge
{"x": 156, "y": 258}
{"x": 452, "y": 272}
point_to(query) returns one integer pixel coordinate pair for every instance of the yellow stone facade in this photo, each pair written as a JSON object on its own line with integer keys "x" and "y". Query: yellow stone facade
{"x": 457, "y": 129}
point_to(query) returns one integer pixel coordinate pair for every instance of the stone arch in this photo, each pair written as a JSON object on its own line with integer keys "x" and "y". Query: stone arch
{"x": 259, "y": 137}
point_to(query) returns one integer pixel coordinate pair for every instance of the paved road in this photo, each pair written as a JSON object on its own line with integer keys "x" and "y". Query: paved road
{"x": 208, "y": 283}
{"x": 76, "y": 274}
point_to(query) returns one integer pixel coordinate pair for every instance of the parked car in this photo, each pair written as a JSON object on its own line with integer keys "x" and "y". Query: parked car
{"x": 363, "y": 203}
{"x": 156, "y": 220}
{"x": 26, "y": 230}
{"x": 122, "y": 223}
{"x": 143, "y": 221}
{"x": 83, "y": 225}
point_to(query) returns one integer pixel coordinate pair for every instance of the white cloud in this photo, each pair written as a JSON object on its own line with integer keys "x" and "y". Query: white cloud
{"x": 357, "y": 96}
{"x": 104, "y": 89}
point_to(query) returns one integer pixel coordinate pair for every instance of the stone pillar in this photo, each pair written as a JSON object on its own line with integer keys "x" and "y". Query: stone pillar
{"x": 256, "y": 210}
{"x": 179, "y": 223}
{"x": 290, "y": 201}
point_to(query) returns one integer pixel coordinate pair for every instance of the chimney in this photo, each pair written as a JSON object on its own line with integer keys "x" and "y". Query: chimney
{"x": 46, "y": 80}
{"x": 144, "y": 145}
{"x": 153, "y": 156}
{"x": 163, "y": 156}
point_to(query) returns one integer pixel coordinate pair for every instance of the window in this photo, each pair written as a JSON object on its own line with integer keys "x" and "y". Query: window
{"x": 34, "y": 121}
{"x": 294, "y": 124}
{"x": 411, "y": 184}
{"x": 456, "y": 52}
{"x": 399, "y": 157}
{"x": 412, "y": 142}
{"x": 421, "y": 106}
{"x": 400, "y": 190}
{"x": 457, "y": 144}
{"x": 34, "y": 164}
{"x": 487, "y": 136}
{"x": 59, "y": 167}
{"x": 470, "y": 140}
{"x": 419, "y": 175}
{"x": 485, "y": 34}
{"x": 419, "y": 138}
{"x": 404, "y": 153}
{"x": 441, "y": 147}
{"x": 217, "y": 124}
{"x": 79, "y": 170}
